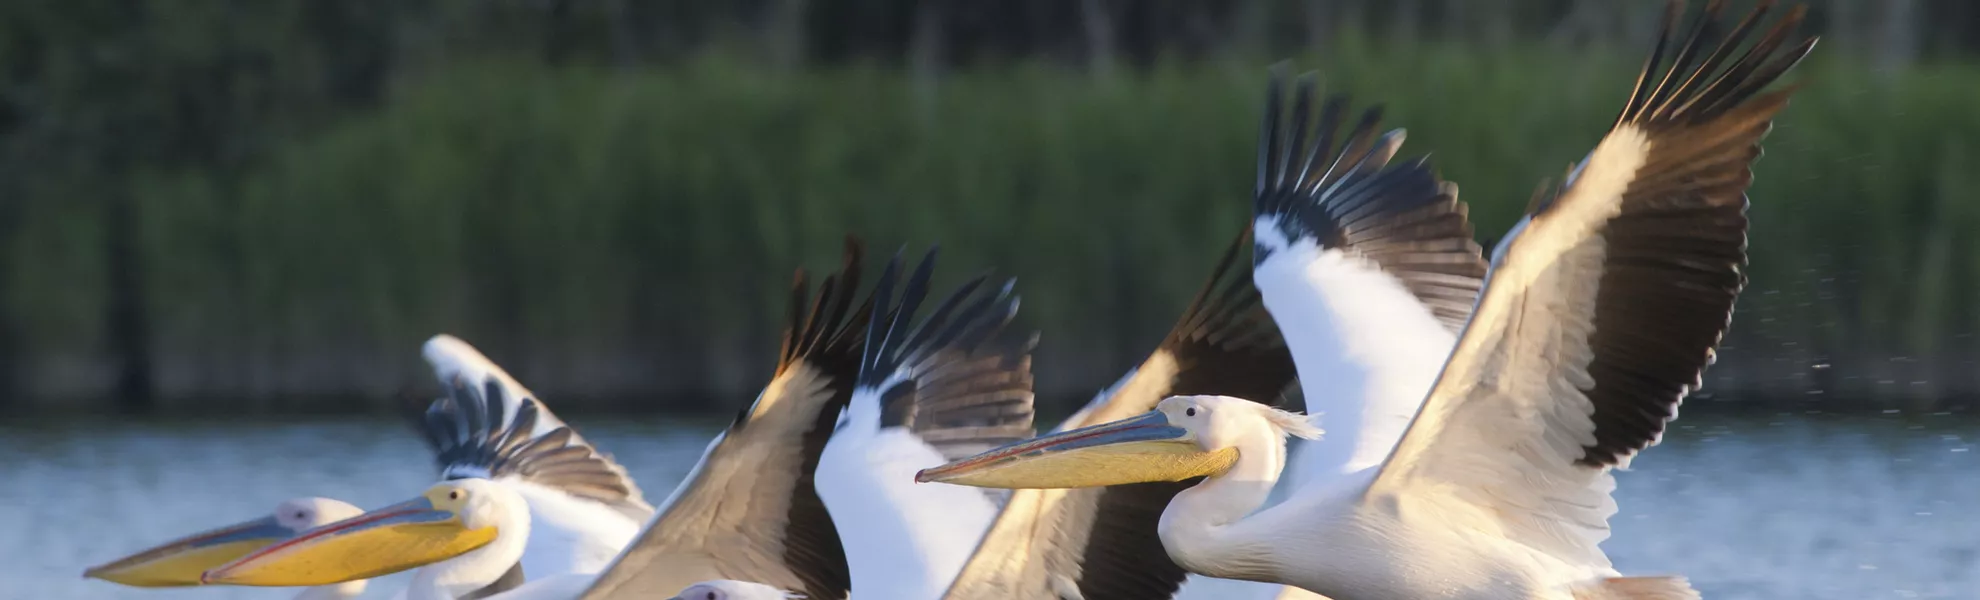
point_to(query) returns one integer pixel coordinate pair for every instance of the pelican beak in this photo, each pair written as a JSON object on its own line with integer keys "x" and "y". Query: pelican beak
{"x": 179, "y": 562}
{"x": 1134, "y": 450}
{"x": 402, "y": 536}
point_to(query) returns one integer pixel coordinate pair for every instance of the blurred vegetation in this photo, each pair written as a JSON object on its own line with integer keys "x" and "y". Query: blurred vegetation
{"x": 211, "y": 203}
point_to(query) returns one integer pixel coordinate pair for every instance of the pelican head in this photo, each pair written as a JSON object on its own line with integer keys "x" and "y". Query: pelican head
{"x": 1184, "y": 437}
{"x": 449, "y": 520}
{"x": 180, "y": 562}
{"x": 724, "y": 589}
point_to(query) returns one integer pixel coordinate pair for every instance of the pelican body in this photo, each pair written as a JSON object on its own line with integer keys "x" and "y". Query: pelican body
{"x": 742, "y": 513}
{"x": 468, "y": 536}
{"x": 942, "y": 387}
{"x": 1599, "y": 313}
{"x": 545, "y": 504}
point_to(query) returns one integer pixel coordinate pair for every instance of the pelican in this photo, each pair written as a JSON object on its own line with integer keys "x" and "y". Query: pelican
{"x": 903, "y": 398}
{"x": 581, "y": 507}
{"x": 1369, "y": 314}
{"x": 947, "y": 386}
{"x": 747, "y": 509}
{"x": 180, "y": 562}
{"x": 747, "y": 512}
{"x": 472, "y": 531}
{"x": 1099, "y": 543}
{"x": 1601, "y": 310}
{"x": 581, "y": 518}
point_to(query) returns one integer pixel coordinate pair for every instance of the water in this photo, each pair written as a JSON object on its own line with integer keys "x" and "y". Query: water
{"x": 1791, "y": 507}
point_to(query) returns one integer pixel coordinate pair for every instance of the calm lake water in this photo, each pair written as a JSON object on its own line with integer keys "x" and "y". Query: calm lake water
{"x": 1790, "y": 507}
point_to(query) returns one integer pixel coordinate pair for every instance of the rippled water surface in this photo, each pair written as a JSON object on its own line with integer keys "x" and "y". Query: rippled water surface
{"x": 1788, "y": 507}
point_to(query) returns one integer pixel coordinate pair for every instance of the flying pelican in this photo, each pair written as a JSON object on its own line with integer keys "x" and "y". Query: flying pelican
{"x": 1369, "y": 312}
{"x": 584, "y": 510}
{"x": 948, "y": 386}
{"x": 180, "y": 562}
{"x": 1601, "y": 310}
{"x": 580, "y": 524}
{"x": 472, "y": 531}
{"x": 747, "y": 509}
{"x": 737, "y": 516}
{"x": 904, "y": 398}
{"x": 1100, "y": 543}
{"x": 944, "y": 387}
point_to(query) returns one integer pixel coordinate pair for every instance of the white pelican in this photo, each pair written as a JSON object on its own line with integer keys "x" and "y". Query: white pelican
{"x": 946, "y": 386}
{"x": 747, "y": 510}
{"x": 1100, "y": 543}
{"x": 180, "y": 562}
{"x": 1602, "y": 308}
{"x": 472, "y": 531}
{"x": 1368, "y": 303}
{"x": 582, "y": 507}
{"x": 580, "y": 523}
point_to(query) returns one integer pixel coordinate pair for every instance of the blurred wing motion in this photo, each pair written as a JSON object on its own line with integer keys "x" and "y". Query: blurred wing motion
{"x": 947, "y": 385}
{"x": 1100, "y": 543}
{"x": 749, "y": 510}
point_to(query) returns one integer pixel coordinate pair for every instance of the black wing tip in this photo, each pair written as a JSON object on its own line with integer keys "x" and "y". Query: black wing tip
{"x": 1228, "y": 310}
{"x": 823, "y": 324}
{"x": 1308, "y": 163}
{"x": 1348, "y": 193}
{"x": 969, "y": 318}
{"x": 472, "y": 429}
{"x": 1226, "y": 342}
{"x": 970, "y": 381}
{"x": 1288, "y": 165}
{"x": 1694, "y": 87}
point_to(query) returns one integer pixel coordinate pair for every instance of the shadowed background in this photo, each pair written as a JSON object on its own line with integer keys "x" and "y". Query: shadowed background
{"x": 220, "y": 207}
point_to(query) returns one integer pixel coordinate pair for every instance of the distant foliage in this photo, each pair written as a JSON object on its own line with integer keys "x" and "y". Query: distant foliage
{"x": 610, "y": 196}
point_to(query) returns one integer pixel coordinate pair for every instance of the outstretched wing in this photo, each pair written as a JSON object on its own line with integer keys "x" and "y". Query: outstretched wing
{"x": 750, "y": 511}
{"x": 479, "y": 431}
{"x": 1368, "y": 267}
{"x": 1605, "y": 304}
{"x": 945, "y": 384}
{"x": 454, "y": 360}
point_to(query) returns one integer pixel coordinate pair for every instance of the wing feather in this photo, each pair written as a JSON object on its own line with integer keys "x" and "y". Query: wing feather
{"x": 750, "y": 509}
{"x": 1604, "y": 305}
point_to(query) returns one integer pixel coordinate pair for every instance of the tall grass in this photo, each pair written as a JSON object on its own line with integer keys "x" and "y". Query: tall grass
{"x": 622, "y": 234}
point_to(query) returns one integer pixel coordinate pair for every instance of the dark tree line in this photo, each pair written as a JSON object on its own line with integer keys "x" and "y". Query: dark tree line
{"x": 94, "y": 94}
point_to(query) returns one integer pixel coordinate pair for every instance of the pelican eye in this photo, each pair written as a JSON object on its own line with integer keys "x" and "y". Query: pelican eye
{"x": 453, "y": 494}
{"x": 1191, "y": 412}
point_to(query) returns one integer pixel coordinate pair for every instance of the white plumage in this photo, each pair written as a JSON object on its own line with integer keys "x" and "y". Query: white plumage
{"x": 568, "y": 534}
{"x": 1600, "y": 312}
{"x": 929, "y": 390}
